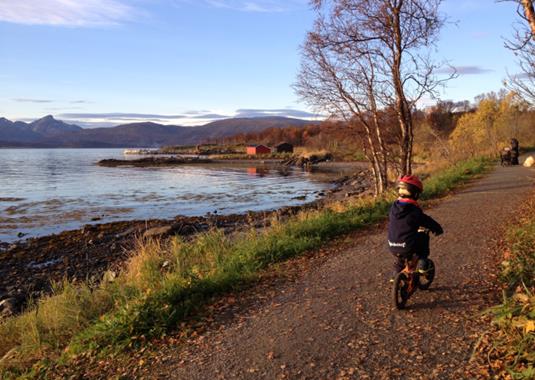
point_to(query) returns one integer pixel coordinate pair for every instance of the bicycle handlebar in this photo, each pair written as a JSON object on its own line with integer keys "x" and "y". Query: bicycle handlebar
{"x": 428, "y": 231}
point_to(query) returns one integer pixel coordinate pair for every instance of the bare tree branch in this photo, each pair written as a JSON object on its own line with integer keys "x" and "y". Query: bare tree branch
{"x": 523, "y": 45}
{"x": 366, "y": 56}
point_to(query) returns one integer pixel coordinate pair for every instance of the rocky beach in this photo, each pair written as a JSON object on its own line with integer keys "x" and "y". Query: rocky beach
{"x": 153, "y": 161}
{"x": 29, "y": 268}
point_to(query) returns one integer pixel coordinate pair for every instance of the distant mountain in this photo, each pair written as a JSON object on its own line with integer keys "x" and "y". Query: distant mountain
{"x": 133, "y": 135}
{"x": 243, "y": 125}
{"x": 18, "y": 132}
{"x": 48, "y": 126}
{"x": 231, "y": 127}
{"x": 49, "y": 132}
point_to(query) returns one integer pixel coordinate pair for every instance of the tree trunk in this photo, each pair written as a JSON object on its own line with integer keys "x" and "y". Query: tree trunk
{"x": 408, "y": 168}
{"x": 378, "y": 173}
{"x": 376, "y": 186}
{"x": 529, "y": 12}
{"x": 402, "y": 109}
{"x": 382, "y": 158}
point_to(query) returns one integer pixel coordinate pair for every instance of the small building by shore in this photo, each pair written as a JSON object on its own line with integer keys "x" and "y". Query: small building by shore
{"x": 284, "y": 147}
{"x": 258, "y": 149}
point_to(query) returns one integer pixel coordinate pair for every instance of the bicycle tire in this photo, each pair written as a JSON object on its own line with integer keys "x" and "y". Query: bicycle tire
{"x": 426, "y": 279}
{"x": 400, "y": 291}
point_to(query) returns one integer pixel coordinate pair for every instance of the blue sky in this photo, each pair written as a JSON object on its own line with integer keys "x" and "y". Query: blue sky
{"x": 186, "y": 62}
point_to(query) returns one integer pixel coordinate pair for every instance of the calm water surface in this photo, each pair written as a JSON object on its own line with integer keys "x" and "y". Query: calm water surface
{"x": 45, "y": 191}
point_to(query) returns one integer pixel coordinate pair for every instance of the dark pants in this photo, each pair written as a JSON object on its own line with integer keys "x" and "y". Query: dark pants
{"x": 514, "y": 159}
{"x": 514, "y": 156}
{"x": 421, "y": 250}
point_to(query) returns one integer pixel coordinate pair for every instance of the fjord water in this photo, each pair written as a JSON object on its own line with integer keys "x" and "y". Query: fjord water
{"x": 44, "y": 191}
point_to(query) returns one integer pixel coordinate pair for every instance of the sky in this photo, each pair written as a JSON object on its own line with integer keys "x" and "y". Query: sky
{"x": 187, "y": 62}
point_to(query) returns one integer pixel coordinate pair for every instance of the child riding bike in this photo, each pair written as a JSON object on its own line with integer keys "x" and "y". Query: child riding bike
{"x": 405, "y": 219}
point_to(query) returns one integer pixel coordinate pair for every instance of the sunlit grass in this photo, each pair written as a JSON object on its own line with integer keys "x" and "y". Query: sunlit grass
{"x": 452, "y": 176}
{"x": 165, "y": 282}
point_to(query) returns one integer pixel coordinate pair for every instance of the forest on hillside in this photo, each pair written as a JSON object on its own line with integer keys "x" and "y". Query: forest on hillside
{"x": 448, "y": 130}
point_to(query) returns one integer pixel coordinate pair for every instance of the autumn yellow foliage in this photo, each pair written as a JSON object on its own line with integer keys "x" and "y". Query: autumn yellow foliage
{"x": 490, "y": 127}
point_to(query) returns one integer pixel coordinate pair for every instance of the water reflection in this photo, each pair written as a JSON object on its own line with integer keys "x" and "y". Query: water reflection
{"x": 45, "y": 191}
{"x": 257, "y": 172}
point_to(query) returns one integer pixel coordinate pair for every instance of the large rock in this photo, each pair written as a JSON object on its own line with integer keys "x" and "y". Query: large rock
{"x": 109, "y": 276}
{"x": 9, "y": 306}
{"x": 530, "y": 161}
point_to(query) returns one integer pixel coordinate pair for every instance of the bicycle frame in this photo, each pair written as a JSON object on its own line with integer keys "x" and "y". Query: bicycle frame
{"x": 408, "y": 280}
{"x": 410, "y": 271}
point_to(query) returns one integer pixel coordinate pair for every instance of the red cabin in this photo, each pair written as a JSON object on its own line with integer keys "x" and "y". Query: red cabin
{"x": 258, "y": 149}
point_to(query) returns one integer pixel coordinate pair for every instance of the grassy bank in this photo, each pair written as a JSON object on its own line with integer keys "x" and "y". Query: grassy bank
{"x": 445, "y": 180}
{"x": 508, "y": 350}
{"x": 167, "y": 281}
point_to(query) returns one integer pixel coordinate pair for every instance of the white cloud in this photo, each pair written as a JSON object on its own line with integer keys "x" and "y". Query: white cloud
{"x": 84, "y": 13}
{"x": 30, "y": 100}
{"x": 188, "y": 118}
{"x": 259, "y": 6}
{"x": 464, "y": 70}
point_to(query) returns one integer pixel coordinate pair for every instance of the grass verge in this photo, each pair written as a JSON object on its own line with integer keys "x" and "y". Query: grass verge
{"x": 167, "y": 281}
{"x": 447, "y": 179}
{"x": 507, "y": 351}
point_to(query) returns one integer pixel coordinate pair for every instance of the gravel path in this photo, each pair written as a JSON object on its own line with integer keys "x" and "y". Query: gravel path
{"x": 335, "y": 320}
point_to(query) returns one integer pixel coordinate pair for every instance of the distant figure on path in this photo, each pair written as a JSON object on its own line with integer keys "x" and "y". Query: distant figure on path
{"x": 514, "y": 151}
{"x": 505, "y": 156}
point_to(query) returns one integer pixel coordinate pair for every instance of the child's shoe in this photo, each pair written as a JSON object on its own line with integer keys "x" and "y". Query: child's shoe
{"x": 422, "y": 266}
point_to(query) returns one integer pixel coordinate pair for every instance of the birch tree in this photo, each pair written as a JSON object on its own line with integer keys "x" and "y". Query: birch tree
{"x": 523, "y": 46}
{"x": 365, "y": 56}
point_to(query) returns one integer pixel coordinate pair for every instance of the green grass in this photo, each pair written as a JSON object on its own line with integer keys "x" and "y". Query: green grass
{"x": 166, "y": 282}
{"x": 512, "y": 342}
{"x": 448, "y": 179}
{"x": 211, "y": 265}
{"x": 520, "y": 269}
{"x": 527, "y": 149}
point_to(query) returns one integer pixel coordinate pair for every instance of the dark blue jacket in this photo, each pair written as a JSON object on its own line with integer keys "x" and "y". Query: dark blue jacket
{"x": 404, "y": 220}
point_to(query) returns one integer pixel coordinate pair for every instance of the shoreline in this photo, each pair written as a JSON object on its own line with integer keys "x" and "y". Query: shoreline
{"x": 324, "y": 174}
{"x": 29, "y": 267}
{"x": 177, "y": 160}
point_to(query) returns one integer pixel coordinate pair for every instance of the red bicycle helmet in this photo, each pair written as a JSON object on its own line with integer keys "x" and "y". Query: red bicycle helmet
{"x": 410, "y": 186}
{"x": 413, "y": 180}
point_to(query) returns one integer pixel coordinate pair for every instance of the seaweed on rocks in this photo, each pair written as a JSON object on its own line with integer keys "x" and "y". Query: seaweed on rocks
{"x": 154, "y": 161}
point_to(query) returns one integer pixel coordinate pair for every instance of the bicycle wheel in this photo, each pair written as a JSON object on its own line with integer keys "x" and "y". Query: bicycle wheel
{"x": 400, "y": 291}
{"x": 427, "y": 278}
